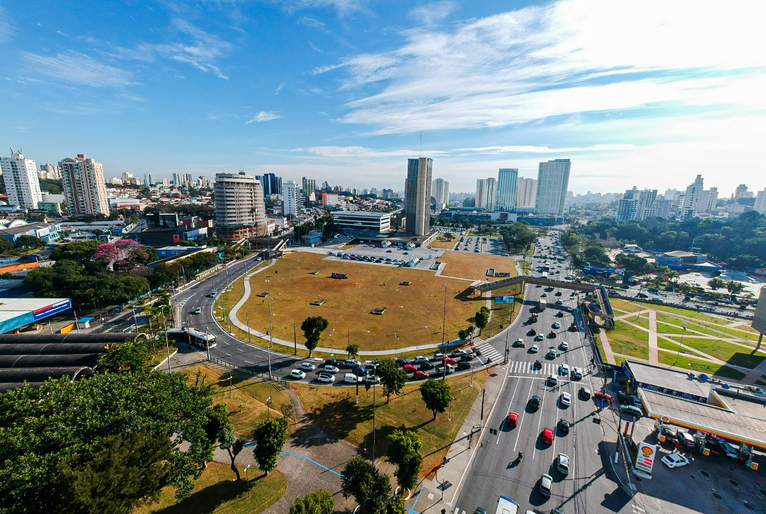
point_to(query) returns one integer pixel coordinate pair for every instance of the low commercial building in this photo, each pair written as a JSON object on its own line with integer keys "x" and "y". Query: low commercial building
{"x": 48, "y": 232}
{"x": 363, "y": 223}
{"x": 680, "y": 260}
{"x": 16, "y": 313}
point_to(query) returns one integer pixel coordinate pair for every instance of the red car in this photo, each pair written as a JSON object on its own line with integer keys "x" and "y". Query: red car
{"x": 420, "y": 375}
{"x": 513, "y": 419}
{"x": 409, "y": 368}
{"x": 548, "y": 436}
{"x": 449, "y": 360}
{"x": 603, "y": 396}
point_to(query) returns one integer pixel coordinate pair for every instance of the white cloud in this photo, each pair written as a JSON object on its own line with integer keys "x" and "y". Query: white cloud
{"x": 311, "y": 22}
{"x": 264, "y": 116}
{"x": 564, "y": 58}
{"x": 343, "y": 7}
{"x": 79, "y": 69}
{"x": 429, "y": 14}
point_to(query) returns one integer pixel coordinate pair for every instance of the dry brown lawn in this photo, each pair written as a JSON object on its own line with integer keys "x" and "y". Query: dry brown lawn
{"x": 443, "y": 243}
{"x": 474, "y": 267}
{"x": 413, "y": 313}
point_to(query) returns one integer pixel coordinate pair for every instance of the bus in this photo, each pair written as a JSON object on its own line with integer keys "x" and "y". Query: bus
{"x": 543, "y": 304}
{"x": 192, "y": 336}
{"x": 507, "y": 506}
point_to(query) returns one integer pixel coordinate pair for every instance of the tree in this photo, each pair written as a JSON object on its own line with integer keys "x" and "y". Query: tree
{"x": 404, "y": 451}
{"x": 220, "y": 429}
{"x": 30, "y": 242}
{"x": 481, "y": 318}
{"x": 312, "y": 327}
{"x": 318, "y": 502}
{"x": 352, "y": 350}
{"x": 392, "y": 377}
{"x": 81, "y": 252}
{"x": 270, "y": 437}
{"x": 436, "y": 395}
{"x": 5, "y": 245}
{"x": 735, "y": 287}
{"x": 366, "y": 485}
{"x": 716, "y": 283}
{"x": 129, "y": 356}
{"x": 465, "y": 333}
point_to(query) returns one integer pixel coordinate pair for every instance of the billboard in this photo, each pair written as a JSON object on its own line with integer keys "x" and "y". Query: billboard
{"x": 52, "y": 309}
{"x": 759, "y": 320}
{"x": 504, "y": 299}
{"x": 645, "y": 460}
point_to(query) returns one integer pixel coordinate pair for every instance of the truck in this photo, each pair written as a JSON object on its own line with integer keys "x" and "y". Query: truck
{"x": 533, "y": 317}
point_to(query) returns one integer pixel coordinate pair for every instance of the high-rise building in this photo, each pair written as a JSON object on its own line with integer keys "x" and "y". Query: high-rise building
{"x": 672, "y": 195}
{"x": 760, "y": 202}
{"x": 552, "y": 184}
{"x": 440, "y": 189}
{"x": 272, "y": 185}
{"x": 290, "y": 199}
{"x": 741, "y": 192}
{"x": 417, "y": 196}
{"x": 49, "y": 171}
{"x": 486, "y": 194}
{"x": 309, "y": 185}
{"x": 84, "y": 186}
{"x": 526, "y": 193}
{"x": 690, "y": 204}
{"x": 22, "y": 185}
{"x": 240, "y": 211}
{"x": 148, "y": 179}
{"x": 506, "y": 189}
{"x": 708, "y": 200}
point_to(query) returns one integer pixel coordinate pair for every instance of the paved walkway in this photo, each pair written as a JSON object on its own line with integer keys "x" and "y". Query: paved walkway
{"x": 653, "y": 353}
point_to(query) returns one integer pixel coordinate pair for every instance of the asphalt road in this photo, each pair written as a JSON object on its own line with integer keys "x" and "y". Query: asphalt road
{"x": 496, "y": 469}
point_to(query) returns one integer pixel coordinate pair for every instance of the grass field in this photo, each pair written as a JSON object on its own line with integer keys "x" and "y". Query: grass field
{"x": 215, "y": 492}
{"x": 699, "y": 366}
{"x": 474, "y": 266}
{"x": 247, "y": 405}
{"x": 443, "y": 243}
{"x": 413, "y": 313}
{"x": 334, "y": 410}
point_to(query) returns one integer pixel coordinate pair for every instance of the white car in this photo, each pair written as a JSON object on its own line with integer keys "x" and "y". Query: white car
{"x": 330, "y": 369}
{"x": 563, "y": 464}
{"x": 350, "y": 378}
{"x": 566, "y": 399}
{"x": 307, "y": 366}
{"x": 675, "y": 460}
{"x": 564, "y": 346}
{"x": 576, "y": 374}
{"x": 564, "y": 370}
{"x": 552, "y": 380}
{"x": 533, "y": 349}
{"x": 326, "y": 378}
{"x": 298, "y": 374}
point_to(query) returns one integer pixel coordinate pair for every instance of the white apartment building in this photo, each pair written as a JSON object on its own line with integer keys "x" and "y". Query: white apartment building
{"x": 440, "y": 189}
{"x": 760, "y": 202}
{"x": 84, "y": 186}
{"x": 291, "y": 198}
{"x": 240, "y": 210}
{"x": 507, "y": 179}
{"x": 22, "y": 185}
{"x": 526, "y": 193}
{"x": 552, "y": 184}
{"x": 486, "y": 194}
{"x": 691, "y": 201}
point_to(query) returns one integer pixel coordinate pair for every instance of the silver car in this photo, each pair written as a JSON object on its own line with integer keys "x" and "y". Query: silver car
{"x": 562, "y": 464}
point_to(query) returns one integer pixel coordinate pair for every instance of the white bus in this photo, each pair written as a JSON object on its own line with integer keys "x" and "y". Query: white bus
{"x": 507, "y": 506}
{"x": 192, "y": 336}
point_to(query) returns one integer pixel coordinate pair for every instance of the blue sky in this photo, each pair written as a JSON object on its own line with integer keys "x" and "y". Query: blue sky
{"x": 645, "y": 93}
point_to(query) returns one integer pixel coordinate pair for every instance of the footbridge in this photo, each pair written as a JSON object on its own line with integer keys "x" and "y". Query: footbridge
{"x": 602, "y": 307}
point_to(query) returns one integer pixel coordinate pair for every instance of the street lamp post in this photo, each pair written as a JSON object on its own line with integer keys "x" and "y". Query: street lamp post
{"x": 679, "y": 346}
{"x": 271, "y": 332}
{"x": 268, "y": 406}
{"x": 444, "y": 317}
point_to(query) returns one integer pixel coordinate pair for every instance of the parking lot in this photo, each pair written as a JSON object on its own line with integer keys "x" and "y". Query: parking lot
{"x": 392, "y": 256}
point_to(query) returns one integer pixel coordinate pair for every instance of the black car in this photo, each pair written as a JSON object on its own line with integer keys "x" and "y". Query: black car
{"x": 463, "y": 365}
{"x": 360, "y": 372}
{"x": 534, "y": 402}
{"x": 424, "y": 366}
{"x": 334, "y": 362}
{"x": 564, "y": 426}
{"x": 467, "y": 357}
{"x": 532, "y": 332}
{"x": 538, "y": 364}
{"x": 559, "y": 314}
{"x": 401, "y": 362}
{"x": 624, "y": 398}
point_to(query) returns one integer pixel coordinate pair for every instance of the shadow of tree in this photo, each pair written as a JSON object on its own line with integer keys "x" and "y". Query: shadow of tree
{"x": 308, "y": 435}
{"x": 208, "y": 499}
{"x": 340, "y": 417}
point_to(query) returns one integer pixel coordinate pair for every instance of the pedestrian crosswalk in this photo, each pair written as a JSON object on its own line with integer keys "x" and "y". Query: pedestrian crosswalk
{"x": 488, "y": 352}
{"x": 527, "y": 368}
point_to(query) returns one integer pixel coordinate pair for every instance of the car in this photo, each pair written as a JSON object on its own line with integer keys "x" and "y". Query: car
{"x": 565, "y": 399}
{"x": 557, "y": 325}
{"x": 532, "y": 332}
{"x": 513, "y": 419}
{"x": 548, "y": 435}
{"x": 438, "y": 356}
{"x": 576, "y": 374}
{"x": 722, "y": 448}
{"x": 467, "y": 357}
{"x": 551, "y": 354}
{"x": 198, "y": 310}
{"x": 543, "y": 295}
{"x": 685, "y": 438}
{"x": 307, "y": 366}
{"x": 440, "y": 369}
{"x": 564, "y": 346}
{"x": 675, "y": 460}
{"x": 551, "y": 334}
{"x": 360, "y": 372}
{"x": 564, "y": 370}
{"x": 562, "y": 464}
{"x": 479, "y": 510}
{"x": 519, "y": 343}
{"x": 350, "y": 378}
{"x": 326, "y": 378}
{"x": 634, "y": 411}
{"x": 388, "y": 251}
{"x": 546, "y": 483}
{"x": 552, "y": 380}
{"x": 533, "y": 349}
{"x": 419, "y": 359}
{"x": 450, "y": 360}
{"x": 585, "y": 393}
{"x": 402, "y": 362}
{"x": 409, "y": 368}
{"x": 534, "y": 402}
{"x": 333, "y": 362}
{"x": 463, "y": 365}
{"x": 330, "y": 369}
{"x": 538, "y": 364}
{"x": 539, "y": 337}
{"x": 425, "y": 366}
{"x": 559, "y": 314}
{"x": 352, "y": 363}
{"x": 600, "y": 395}
{"x": 563, "y": 426}
{"x": 211, "y": 294}
{"x": 558, "y": 293}
{"x": 297, "y": 374}
{"x": 372, "y": 379}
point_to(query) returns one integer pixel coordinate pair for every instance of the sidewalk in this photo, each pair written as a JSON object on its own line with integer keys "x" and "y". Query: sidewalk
{"x": 427, "y": 497}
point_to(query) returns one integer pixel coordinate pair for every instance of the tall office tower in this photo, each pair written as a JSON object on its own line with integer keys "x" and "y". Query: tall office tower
{"x": 270, "y": 184}
{"x": 49, "y": 171}
{"x": 552, "y": 184}
{"x": 636, "y": 205}
{"x": 506, "y": 189}
{"x": 291, "y": 199}
{"x": 440, "y": 189}
{"x": 240, "y": 210}
{"x": 22, "y": 185}
{"x": 417, "y": 196}
{"x": 690, "y": 204}
{"x": 309, "y": 185}
{"x": 760, "y": 202}
{"x": 708, "y": 200}
{"x": 325, "y": 186}
{"x": 148, "y": 179}
{"x": 526, "y": 193}
{"x": 84, "y": 186}
{"x": 486, "y": 194}
{"x": 741, "y": 192}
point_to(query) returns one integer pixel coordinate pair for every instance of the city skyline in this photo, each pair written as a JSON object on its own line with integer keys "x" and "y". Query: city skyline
{"x": 201, "y": 89}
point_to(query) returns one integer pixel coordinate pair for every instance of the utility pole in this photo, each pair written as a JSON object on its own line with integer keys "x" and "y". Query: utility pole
{"x": 295, "y": 339}
{"x": 483, "y": 395}
{"x": 207, "y": 344}
{"x": 444, "y": 317}
{"x": 271, "y": 332}
{"x": 374, "y": 383}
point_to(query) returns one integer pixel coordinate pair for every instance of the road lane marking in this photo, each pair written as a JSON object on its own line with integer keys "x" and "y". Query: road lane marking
{"x": 508, "y": 411}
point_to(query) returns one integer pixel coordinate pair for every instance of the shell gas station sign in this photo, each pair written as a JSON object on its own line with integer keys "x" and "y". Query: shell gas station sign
{"x": 647, "y": 453}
